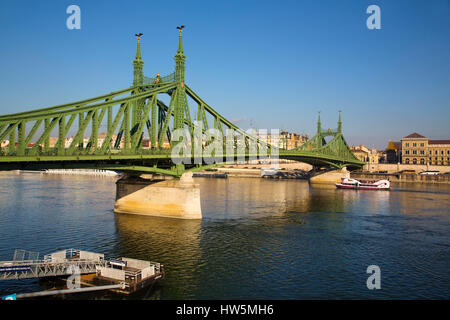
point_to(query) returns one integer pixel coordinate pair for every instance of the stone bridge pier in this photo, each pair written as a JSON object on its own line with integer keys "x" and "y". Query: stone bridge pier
{"x": 159, "y": 195}
{"x": 330, "y": 177}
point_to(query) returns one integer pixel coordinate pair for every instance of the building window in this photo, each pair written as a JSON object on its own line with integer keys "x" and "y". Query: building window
{"x": 407, "y": 144}
{"x": 422, "y": 152}
{"x": 414, "y": 151}
{"x": 435, "y": 152}
{"x": 407, "y": 161}
{"x": 422, "y": 161}
{"x": 442, "y": 151}
{"x": 414, "y": 161}
{"x": 422, "y": 144}
{"x": 407, "y": 152}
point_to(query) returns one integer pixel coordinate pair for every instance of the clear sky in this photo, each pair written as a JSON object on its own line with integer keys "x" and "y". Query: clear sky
{"x": 275, "y": 63}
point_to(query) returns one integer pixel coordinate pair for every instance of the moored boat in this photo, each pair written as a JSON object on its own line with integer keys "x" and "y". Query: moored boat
{"x": 348, "y": 183}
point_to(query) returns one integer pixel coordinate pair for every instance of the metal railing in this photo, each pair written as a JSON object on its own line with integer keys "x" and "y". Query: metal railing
{"x": 46, "y": 268}
{"x": 164, "y": 79}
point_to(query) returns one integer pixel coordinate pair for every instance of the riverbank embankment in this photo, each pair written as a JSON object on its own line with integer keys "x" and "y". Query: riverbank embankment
{"x": 403, "y": 177}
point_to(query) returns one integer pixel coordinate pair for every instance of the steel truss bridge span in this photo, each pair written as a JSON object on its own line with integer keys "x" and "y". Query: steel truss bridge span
{"x": 118, "y": 123}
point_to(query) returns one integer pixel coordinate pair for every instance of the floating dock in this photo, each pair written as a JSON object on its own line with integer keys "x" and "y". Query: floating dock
{"x": 134, "y": 274}
{"x": 124, "y": 275}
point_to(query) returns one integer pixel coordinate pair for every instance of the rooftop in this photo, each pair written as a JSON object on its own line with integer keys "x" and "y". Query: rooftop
{"x": 438, "y": 141}
{"x": 394, "y": 145}
{"x": 414, "y": 135}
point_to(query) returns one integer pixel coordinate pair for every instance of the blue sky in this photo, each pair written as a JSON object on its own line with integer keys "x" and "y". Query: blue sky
{"x": 273, "y": 62}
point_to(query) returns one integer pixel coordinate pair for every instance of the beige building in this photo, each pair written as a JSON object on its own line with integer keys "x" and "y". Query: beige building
{"x": 365, "y": 154}
{"x": 286, "y": 140}
{"x": 291, "y": 140}
{"x": 418, "y": 149}
{"x": 439, "y": 152}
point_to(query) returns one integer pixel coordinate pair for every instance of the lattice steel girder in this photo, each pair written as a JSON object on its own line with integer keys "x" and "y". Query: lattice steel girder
{"x": 85, "y": 108}
{"x": 220, "y": 119}
{"x": 142, "y": 107}
{"x": 335, "y": 153}
{"x": 44, "y": 111}
{"x": 108, "y": 140}
{"x": 165, "y": 125}
{"x": 94, "y": 115}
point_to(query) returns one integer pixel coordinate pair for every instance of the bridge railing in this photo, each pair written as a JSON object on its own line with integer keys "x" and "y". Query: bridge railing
{"x": 167, "y": 78}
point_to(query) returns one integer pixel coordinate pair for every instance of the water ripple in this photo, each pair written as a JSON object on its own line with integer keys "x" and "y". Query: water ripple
{"x": 259, "y": 239}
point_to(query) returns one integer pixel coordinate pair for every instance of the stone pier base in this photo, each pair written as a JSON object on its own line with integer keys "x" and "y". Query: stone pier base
{"x": 330, "y": 177}
{"x": 159, "y": 196}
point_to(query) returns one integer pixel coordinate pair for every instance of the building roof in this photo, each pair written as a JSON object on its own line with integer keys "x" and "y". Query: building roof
{"x": 415, "y": 135}
{"x": 438, "y": 141}
{"x": 394, "y": 145}
{"x": 357, "y": 150}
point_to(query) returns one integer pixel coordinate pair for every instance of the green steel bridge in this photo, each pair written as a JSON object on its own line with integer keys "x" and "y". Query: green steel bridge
{"x": 129, "y": 115}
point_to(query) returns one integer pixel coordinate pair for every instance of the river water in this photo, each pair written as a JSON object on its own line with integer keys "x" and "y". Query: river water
{"x": 259, "y": 239}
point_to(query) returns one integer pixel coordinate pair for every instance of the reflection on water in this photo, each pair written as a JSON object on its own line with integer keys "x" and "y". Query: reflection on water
{"x": 172, "y": 242}
{"x": 259, "y": 239}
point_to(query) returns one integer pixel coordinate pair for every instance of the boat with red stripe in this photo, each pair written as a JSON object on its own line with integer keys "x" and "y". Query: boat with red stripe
{"x": 348, "y": 183}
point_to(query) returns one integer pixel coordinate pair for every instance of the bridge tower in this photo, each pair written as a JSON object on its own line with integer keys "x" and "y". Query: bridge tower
{"x": 138, "y": 79}
{"x": 319, "y": 124}
{"x": 180, "y": 92}
{"x": 138, "y": 64}
{"x": 340, "y": 123}
{"x": 319, "y": 137}
{"x": 180, "y": 59}
{"x": 319, "y": 132}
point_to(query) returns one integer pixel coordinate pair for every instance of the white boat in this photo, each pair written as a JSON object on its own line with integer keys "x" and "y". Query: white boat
{"x": 348, "y": 183}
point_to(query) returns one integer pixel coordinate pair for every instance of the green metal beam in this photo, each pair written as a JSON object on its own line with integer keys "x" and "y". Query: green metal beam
{"x": 138, "y": 108}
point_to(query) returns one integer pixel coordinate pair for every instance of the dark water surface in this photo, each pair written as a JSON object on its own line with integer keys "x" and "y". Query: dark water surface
{"x": 259, "y": 239}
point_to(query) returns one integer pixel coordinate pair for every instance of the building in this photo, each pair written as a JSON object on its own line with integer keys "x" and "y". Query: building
{"x": 285, "y": 140}
{"x": 292, "y": 140}
{"x": 393, "y": 152}
{"x": 146, "y": 143}
{"x": 365, "y": 154}
{"x": 418, "y": 149}
{"x": 439, "y": 152}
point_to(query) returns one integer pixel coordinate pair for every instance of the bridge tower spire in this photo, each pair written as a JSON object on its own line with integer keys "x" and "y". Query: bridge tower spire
{"x": 319, "y": 138}
{"x": 180, "y": 102}
{"x": 340, "y": 123}
{"x": 319, "y": 125}
{"x": 138, "y": 63}
{"x": 180, "y": 58}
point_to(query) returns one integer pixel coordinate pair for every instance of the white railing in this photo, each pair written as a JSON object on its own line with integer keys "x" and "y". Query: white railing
{"x": 90, "y": 172}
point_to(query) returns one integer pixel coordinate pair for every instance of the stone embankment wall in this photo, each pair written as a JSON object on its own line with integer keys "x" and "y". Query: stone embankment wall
{"x": 441, "y": 178}
{"x": 393, "y": 168}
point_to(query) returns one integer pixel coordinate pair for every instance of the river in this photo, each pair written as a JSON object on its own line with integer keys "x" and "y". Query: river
{"x": 259, "y": 239}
